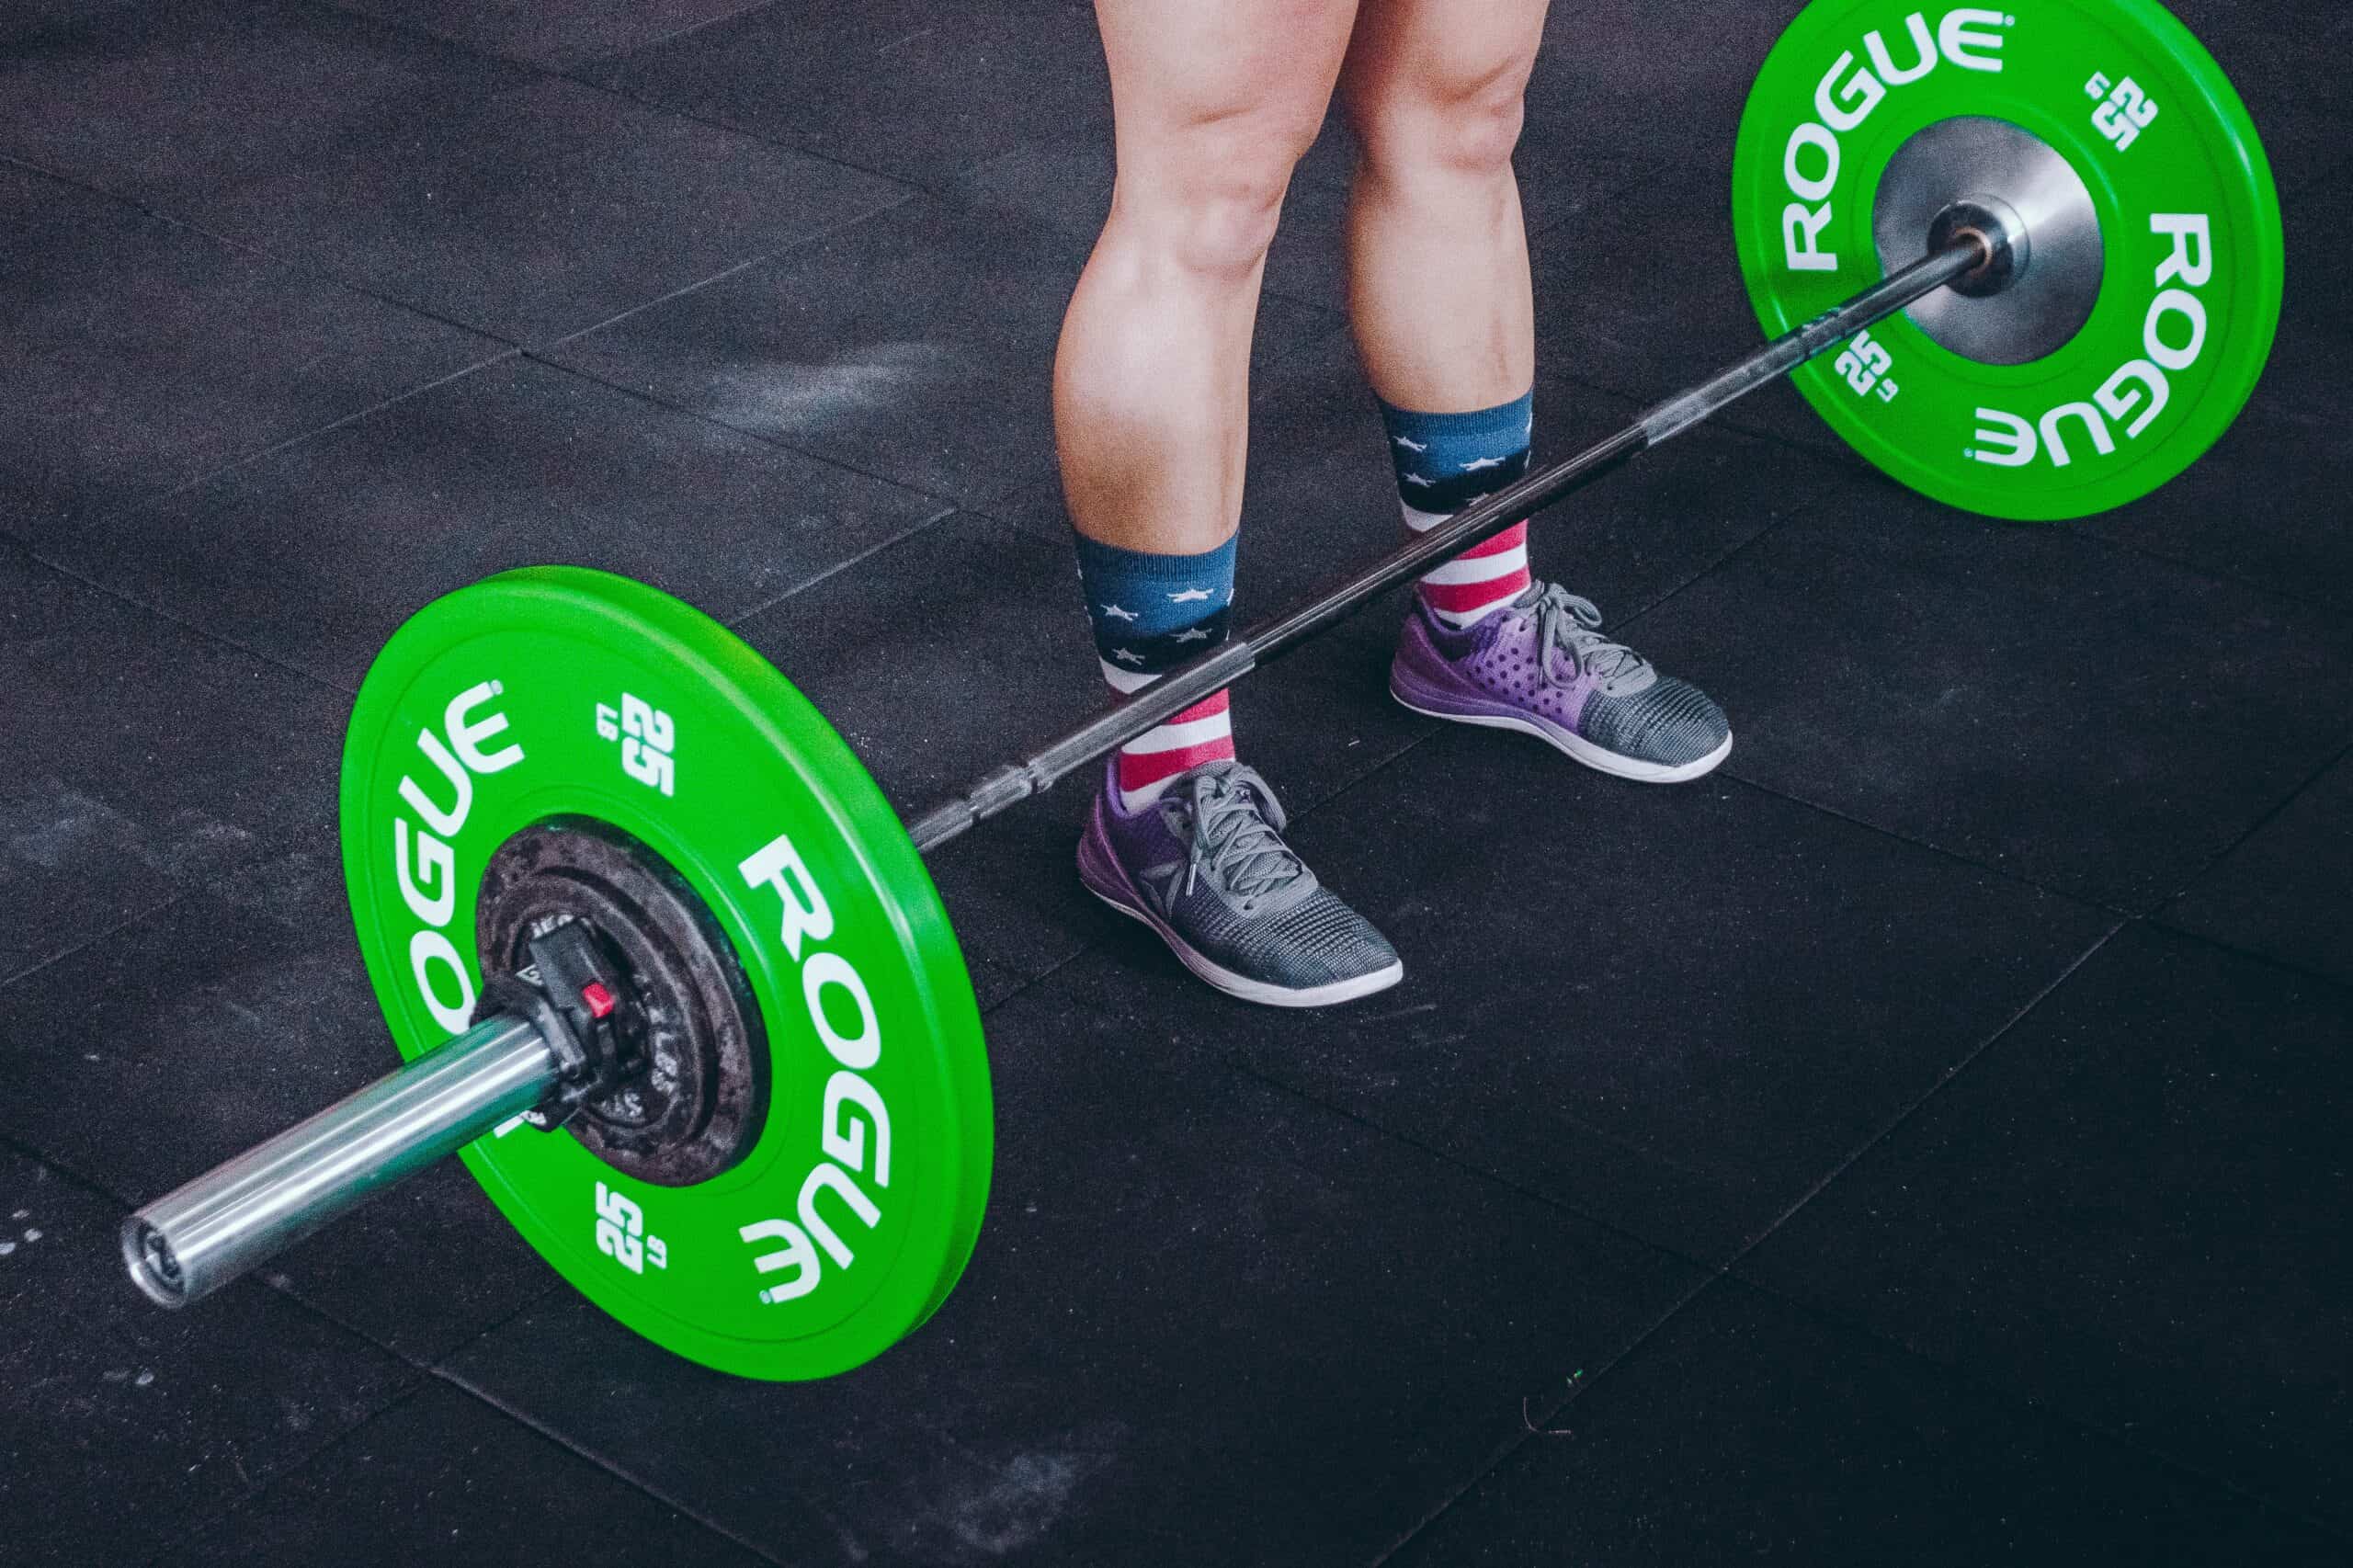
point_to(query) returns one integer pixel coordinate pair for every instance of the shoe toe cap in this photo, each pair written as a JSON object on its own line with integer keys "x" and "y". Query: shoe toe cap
{"x": 1671, "y": 723}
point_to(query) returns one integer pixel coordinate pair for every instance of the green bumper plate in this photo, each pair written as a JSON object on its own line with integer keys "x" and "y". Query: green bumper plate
{"x": 558, "y": 692}
{"x": 2188, "y": 218}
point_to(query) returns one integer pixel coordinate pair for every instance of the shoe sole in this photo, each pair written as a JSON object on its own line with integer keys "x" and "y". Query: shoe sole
{"x": 1123, "y": 897}
{"x": 1576, "y": 746}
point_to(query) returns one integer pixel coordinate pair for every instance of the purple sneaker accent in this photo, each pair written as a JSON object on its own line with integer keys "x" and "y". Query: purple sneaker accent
{"x": 1542, "y": 665}
{"x": 1205, "y": 866}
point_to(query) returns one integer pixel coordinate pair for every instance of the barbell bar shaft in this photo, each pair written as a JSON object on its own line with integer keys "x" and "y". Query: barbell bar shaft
{"x": 228, "y": 1221}
{"x": 1207, "y": 674}
{"x": 200, "y": 1236}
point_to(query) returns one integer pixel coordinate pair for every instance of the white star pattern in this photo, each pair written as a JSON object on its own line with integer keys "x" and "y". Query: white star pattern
{"x": 1189, "y": 597}
{"x": 1127, "y": 655}
{"x": 1113, "y": 612}
{"x": 1411, "y": 445}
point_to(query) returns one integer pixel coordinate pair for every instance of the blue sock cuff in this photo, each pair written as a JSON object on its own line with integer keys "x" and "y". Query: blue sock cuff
{"x": 1147, "y": 609}
{"x": 1507, "y": 422}
{"x": 1446, "y": 460}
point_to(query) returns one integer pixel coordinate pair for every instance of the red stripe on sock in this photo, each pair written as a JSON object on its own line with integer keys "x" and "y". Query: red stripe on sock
{"x": 1141, "y": 772}
{"x": 1511, "y": 538}
{"x": 1208, "y": 708}
{"x": 1462, "y": 598}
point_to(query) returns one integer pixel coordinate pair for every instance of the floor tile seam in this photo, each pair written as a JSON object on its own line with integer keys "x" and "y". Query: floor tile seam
{"x": 542, "y": 348}
{"x": 1539, "y": 1423}
{"x": 1920, "y": 1102}
{"x": 908, "y": 190}
{"x": 271, "y": 1279}
{"x": 72, "y": 1172}
{"x": 667, "y": 39}
{"x": 775, "y": 443}
{"x": 911, "y": 187}
{"x": 2338, "y": 613}
{"x": 285, "y": 444}
{"x": 143, "y": 915}
{"x": 2050, "y": 1408}
{"x": 407, "y": 29}
{"x": 2109, "y": 907}
{"x": 1463, "y": 1165}
{"x": 2304, "y": 787}
{"x": 206, "y": 1518}
{"x": 1718, "y": 1273}
{"x": 194, "y": 630}
{"x": 548, "y": 1432}
{"x": 930, "y": 521}
{"x": 292, "y": 267}
{"x": 2331, "y": 985}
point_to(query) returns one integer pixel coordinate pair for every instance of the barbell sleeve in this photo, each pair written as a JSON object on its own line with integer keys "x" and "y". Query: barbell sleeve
{"x": 1212, "y": 672}
{"x": 196, "y": 1239}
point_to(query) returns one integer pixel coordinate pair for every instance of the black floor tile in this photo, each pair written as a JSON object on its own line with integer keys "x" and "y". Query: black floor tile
{"x": 1208, "y": 1322}
{"x": 141, "y": 353}
{"x": 443, "y": 1478}
{"x": 2266, "y": 50}
{"x": 149, "y": 761}
{"x": 1642, "y": 295}
{"x": 921, "y": 91}
{"x": 26, "y": 19}
{"x": 112, "y": 102}
{"x": 558, "y": 36}
{"x": 1675, "y": 1010}
{"x": 316, "y": 554}
{"x": 202, "y": 1030}
{"x": 2131, "y": 1208}
{"x": 2267, "y": 502}
{"x": 2079, "y": 714}
{"x": 2287, "y": 891}
{"x": 123, "y": 1424}
{"x": 917, "y": 344}
{"x": 965, "y": 647}
{"x": 1747, "y": 1428}
{"x": 522, "y": 206}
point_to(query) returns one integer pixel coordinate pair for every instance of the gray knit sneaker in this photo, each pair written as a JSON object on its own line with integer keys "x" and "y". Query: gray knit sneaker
{"x": 1206, "y": 867}
{"x": 1541, "y": 665}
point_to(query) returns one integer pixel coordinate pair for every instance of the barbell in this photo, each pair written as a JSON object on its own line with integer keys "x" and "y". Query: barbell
{"x": 670, "y": 977}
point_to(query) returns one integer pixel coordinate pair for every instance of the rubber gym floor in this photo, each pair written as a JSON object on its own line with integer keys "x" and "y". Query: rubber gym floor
{"x": 1923, "y": 1141}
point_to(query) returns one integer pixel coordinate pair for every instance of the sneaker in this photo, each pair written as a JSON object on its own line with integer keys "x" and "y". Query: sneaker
{"x": 1206, "y": 867}
{"x": 1541, "y": 665}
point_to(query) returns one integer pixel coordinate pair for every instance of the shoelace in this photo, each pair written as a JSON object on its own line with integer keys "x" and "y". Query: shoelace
{"x": 1571, "y": 626}
{"x": 1232, "y": 835}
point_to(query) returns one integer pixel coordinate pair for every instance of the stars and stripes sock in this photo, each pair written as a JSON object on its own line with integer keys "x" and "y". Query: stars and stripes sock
{"x": 1445, "y": 461}
{"x": 1150, "y": 614}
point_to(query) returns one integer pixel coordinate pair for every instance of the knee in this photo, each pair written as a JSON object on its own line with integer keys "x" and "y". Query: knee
{"x": 1450, "y": 121}
{"x": 1209, "y": 198}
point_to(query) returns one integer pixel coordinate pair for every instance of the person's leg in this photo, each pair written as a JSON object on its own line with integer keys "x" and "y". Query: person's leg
{"x": 1439, "y": 286}
{"x": 1439, "y": 295}
{"x": 1213, "y": 102}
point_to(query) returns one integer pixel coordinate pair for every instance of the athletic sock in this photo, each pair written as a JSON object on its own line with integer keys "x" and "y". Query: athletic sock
{"x": 1445, "y": 461}
{"x": 1150, "y": 614}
